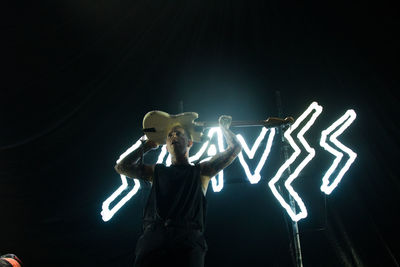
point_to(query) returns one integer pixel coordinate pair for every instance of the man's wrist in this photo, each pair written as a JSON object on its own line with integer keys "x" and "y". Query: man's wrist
{"x": 149, "y": 146}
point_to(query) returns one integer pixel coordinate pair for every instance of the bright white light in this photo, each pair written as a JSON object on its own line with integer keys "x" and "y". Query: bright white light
{"x": 344, "y": 121}
{"x": 162, "y": 154}
{"x": 255, "y": 178}
{"x": 106, "y": 213}
{"x": 200, "y": 152}
{"x": 217, "y": 185}
{"x": 212, "y": 150}
{"x": 303, "y": 211}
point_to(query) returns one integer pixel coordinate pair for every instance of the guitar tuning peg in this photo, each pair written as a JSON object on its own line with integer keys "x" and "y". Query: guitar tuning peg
{"x": 289, "y": 120}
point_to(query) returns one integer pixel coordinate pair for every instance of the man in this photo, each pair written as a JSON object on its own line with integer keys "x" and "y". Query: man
{"x": 174, "y": 216}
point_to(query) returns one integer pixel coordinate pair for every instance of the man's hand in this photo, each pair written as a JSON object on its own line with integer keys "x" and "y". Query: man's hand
{"x": 225, "y": 121}
{"x": 150, "y": 144}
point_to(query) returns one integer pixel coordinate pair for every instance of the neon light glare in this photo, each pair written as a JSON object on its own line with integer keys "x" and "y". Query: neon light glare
{"x": 255, "y": 178}
{"x": 345, "y": 122}
{"x": 311, "y": 152}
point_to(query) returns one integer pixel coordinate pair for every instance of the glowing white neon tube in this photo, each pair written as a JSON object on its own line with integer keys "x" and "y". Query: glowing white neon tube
{"x": 303, "y": 211}
{"x": 212, "y": 151}
{"x": 218, "y": 181}
{"x": 255, "y": 178}
{"x": 218, "y": 184}
{"x": 108, "y": 213}
{"x": 162, "y": 154}
{"x": 345, "y": 122}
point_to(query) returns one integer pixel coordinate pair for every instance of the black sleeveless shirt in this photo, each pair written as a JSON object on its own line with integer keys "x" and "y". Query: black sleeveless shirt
{"x": 176, "y": 197}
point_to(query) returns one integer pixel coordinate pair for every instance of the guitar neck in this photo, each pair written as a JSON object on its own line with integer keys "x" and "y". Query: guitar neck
{"x": 268, "y": 123}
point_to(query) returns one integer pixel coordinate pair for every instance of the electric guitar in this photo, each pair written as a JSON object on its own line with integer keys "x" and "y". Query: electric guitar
{"x": 157, "y": 124}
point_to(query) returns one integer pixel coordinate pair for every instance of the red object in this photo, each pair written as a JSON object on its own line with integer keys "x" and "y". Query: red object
{"x": 13, "y": 262}
{"x": 12, "y": 259}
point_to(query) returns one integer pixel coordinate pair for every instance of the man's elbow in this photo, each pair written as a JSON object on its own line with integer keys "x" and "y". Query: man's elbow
{"x": 238, "y": 149}
{"x": 129, "y": 171}
{"x": 119, "y": 168}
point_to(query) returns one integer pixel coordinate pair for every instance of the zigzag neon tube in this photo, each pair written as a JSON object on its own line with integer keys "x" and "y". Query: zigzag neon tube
{"x": 303, "y": 211}
{"x": 255, "y": 178}
{"x": 217, "y": 185}
{"x": 106, "y": 213}
{"x": 345, "y": 121}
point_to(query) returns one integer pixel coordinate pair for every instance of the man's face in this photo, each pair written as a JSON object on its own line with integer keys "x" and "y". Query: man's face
{"x": 178, "y": 141}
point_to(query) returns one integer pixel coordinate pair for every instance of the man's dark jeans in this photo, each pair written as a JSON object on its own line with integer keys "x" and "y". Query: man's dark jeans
{"x": 161, "y": 245}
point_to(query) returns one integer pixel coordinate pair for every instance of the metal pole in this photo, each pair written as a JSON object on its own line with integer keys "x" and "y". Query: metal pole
{"x": 285, "y": 147}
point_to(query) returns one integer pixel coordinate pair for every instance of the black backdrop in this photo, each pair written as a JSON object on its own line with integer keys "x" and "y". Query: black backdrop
{"x": 78, "y": 77}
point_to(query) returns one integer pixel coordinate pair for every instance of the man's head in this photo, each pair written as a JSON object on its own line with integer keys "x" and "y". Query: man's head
{"x": 179, "y": 141}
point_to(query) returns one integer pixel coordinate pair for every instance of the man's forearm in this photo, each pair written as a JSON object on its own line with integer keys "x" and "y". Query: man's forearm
{"x": 223, "y": 159}
{"x": 133, "y": 157}
{"x": 233, "y": 143}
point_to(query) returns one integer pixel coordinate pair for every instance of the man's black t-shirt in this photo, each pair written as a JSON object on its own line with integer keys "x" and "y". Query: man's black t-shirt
{"x": 174, "y": 219}
{"x": 176, "y": 197}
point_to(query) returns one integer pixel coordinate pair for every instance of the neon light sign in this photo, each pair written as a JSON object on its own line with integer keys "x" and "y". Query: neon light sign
{"x": 311, "y": 152}
{"x": 255, "y": 178}
{"x": 106, "y": 213}
{"x": 345, "y": 122}
{"x": 218, "y": 181}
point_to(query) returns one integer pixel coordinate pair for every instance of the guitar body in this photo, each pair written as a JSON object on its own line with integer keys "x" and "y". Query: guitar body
{"x": 161, "y": 123}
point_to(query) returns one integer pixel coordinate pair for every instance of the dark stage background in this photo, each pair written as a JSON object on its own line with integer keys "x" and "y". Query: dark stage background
{"x": 78, "y": 77}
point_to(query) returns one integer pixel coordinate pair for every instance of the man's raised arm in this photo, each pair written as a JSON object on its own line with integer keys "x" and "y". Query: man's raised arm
{"x": 131, "y": 167}
{"x": 221, "y": 160}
